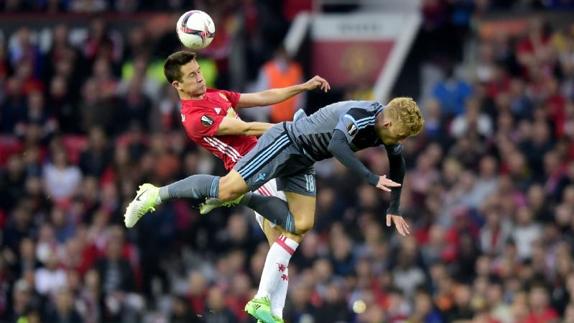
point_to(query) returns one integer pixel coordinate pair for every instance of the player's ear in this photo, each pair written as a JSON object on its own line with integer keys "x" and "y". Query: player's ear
{"x": 387, "y": 123}
{"x": 176, "y": 85}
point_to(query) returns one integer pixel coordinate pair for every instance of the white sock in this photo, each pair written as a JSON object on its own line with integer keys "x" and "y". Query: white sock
{"x": 279, "y": 295}
{"x": 275, "y": 268}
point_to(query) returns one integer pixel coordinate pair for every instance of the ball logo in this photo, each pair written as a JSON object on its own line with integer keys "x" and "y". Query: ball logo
{"x": 206, "y": 121}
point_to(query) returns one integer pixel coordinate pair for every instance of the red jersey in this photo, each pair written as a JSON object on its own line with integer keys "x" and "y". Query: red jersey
{"x": 201, "y": 119}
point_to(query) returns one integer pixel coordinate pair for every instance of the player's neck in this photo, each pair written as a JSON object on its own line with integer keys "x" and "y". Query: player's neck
{"x": 185, "y": 96}
{"x": 380, "y": 128}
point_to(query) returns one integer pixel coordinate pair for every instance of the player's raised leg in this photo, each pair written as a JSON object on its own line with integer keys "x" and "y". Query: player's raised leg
{"x": 198, "y": 187}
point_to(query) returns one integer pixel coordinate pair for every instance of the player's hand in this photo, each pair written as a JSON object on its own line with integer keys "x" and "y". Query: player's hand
{"x": 317, "y": 82}
{"x": 386, "y": 184}
{"x": 400, "y": 223}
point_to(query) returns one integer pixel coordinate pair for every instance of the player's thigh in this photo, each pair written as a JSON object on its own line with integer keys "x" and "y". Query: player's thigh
{"x": 300, "y": 191}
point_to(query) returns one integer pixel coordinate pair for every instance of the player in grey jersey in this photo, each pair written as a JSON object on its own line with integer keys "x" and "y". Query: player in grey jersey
{"x": 287, "y": 152}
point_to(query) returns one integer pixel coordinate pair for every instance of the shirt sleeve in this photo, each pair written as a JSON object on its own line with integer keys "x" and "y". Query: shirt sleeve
{"x": 397, "y": 167}
{"x": 202, "y": 124}
{"x": 340, "y": 149}
{"x": 232, "y": 96}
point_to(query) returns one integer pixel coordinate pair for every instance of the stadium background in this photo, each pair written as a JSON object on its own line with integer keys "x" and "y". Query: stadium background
{"x": 85, "y": 117}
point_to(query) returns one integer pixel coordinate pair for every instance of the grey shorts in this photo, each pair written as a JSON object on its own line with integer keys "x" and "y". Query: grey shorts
{"x": 275, "y": 156}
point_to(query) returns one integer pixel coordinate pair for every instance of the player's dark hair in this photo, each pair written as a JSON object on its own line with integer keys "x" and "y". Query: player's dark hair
{"x": 173, "y": 64}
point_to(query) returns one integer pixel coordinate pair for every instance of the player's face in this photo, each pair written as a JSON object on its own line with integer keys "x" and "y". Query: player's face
{"x": 192, "y": 83}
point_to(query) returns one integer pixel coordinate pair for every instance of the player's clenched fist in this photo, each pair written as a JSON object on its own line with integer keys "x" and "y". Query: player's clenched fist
{"x": 317, "y": 82}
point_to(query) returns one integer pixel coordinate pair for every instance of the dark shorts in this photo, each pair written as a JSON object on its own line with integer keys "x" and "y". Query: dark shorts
{"x": 275, "y": 156}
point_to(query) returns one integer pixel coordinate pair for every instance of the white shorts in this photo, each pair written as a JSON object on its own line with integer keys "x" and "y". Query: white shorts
{"x": 268, "y": 189}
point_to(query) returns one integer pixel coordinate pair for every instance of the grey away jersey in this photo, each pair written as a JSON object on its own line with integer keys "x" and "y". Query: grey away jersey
{"x": 356, "y": 119}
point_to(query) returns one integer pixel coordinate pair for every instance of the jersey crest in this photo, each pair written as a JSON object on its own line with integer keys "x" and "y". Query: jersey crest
{"x": 352, "y": 129}
{"x": 206, "y": 121}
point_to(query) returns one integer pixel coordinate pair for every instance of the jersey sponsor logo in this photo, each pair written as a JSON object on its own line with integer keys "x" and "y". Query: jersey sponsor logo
{"x": 352, "y": 129}
{"x": 217, "y": 110}
{"x": 206, "y": 121}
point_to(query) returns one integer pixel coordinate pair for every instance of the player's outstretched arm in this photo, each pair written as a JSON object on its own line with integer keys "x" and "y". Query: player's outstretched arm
{"x": 397, "y": 166}
{"x": 341, "y": 150}
{"x": 234, "y": 126}
{"x": 339, "y": 147}
{"x": 272, "y": 96}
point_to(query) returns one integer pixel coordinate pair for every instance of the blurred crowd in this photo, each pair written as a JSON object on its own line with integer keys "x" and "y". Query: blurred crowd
{"x": 489, "y": 193}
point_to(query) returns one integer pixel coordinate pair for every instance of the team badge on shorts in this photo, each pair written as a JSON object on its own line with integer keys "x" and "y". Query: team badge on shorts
{"x": 206, "y": 121}
{"x": 261, "y": 177}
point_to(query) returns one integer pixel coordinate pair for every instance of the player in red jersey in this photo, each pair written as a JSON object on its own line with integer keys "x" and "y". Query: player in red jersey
{"x": 210, "y": 120}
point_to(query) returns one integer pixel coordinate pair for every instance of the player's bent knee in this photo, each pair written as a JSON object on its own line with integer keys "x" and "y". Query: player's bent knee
{"x": 303, "y": 225}
{"x": 294, "y": 236}
{"x": 226, "y": 195}
{"x": 231, "y": 187}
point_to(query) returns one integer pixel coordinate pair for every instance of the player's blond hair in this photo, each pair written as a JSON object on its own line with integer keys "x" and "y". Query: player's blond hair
{"x": 407, "y": 116}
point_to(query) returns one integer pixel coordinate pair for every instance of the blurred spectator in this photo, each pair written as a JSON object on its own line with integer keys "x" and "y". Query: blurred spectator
{"x": 50, "y": 279}
{"x": 281, "y": 71}
{"x": 135, "y": 109}
{"x": 36, "y": 114}
{"x": 63, "y": 308}
{"x": 540, "y": 309}
{"x": 472, "y": 121}
{"x": 97, "y": 156}
{"x": 526, "y": 232}
{"x": 181, "y": 312}
{"x": 215, "y": 310}
{"x": 61, "y": 103}
{"x": 23, "y": 300}
{"x": 424, "y": 310}
{"x": 60, "y": 178}
{"x": 452, "y": 93}
{"x": 102, "y": 43}
{"x": 116, "y": 273}
{"x": 13, "y": 106}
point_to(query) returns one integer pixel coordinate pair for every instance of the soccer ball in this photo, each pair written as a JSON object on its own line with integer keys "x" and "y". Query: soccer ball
{"x": 195, "y": 29}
